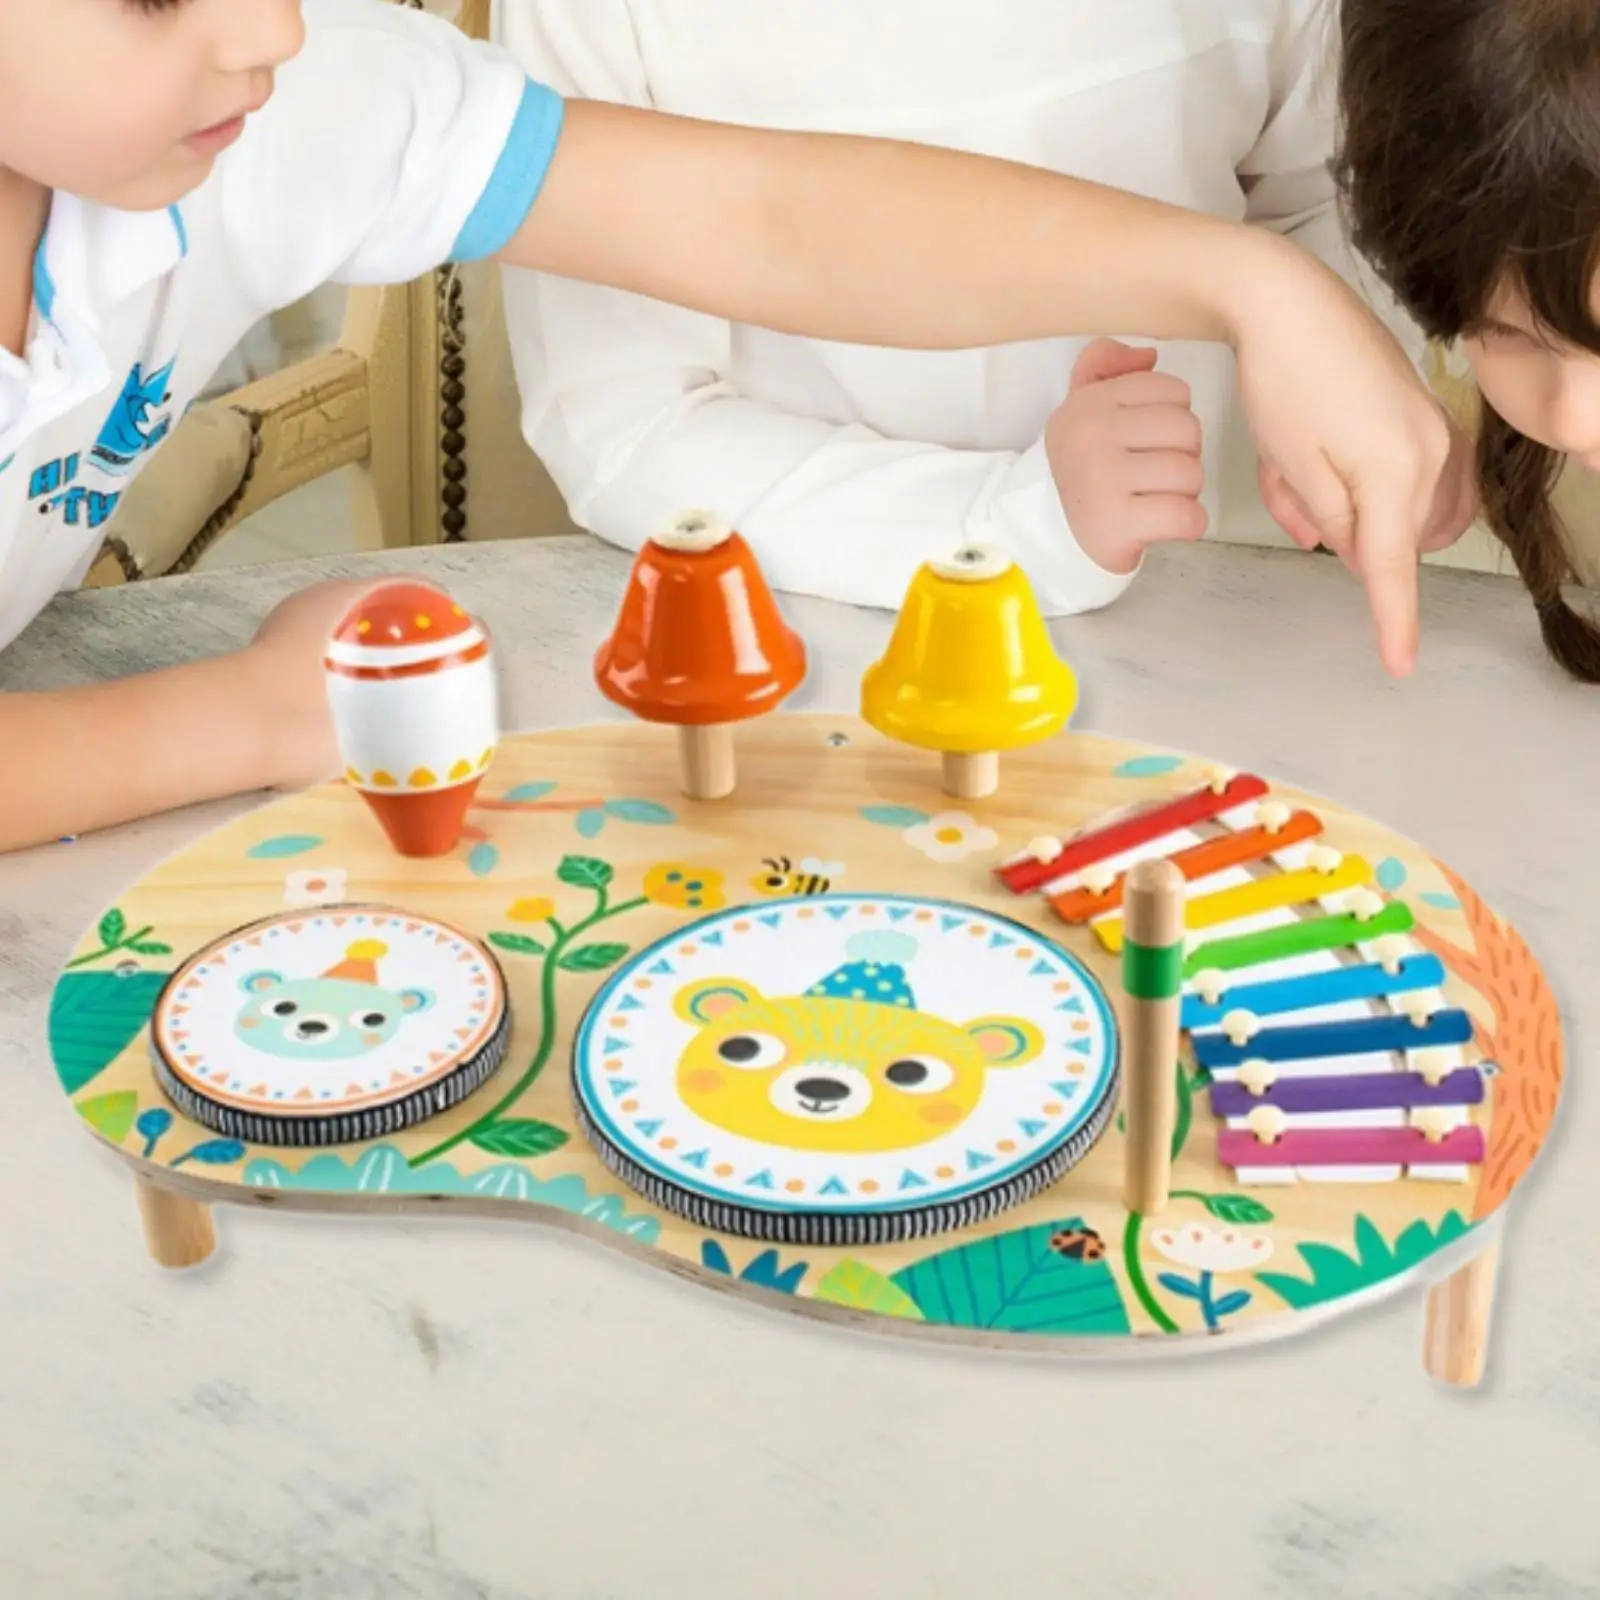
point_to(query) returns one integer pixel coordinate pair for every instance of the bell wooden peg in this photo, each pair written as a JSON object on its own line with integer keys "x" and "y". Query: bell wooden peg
{"x": 970, "y": 670}
{"x": 699, "y": 643}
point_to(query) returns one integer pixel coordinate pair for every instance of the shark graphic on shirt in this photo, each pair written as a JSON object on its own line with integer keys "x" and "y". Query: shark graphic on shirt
{"x": 133, "y": 429}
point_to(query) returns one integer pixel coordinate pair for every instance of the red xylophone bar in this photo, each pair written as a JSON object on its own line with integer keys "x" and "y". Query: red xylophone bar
{"x": 1201, "y": 805}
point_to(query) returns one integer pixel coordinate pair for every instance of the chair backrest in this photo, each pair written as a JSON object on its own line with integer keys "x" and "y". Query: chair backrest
{"x": 511, "y": 495}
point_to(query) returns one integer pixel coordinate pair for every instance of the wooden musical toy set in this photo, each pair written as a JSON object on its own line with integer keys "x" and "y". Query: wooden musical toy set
{"x": 1106, "y": 1051}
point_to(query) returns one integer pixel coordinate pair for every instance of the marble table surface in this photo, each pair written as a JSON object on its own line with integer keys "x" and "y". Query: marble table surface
{"x": 344, "y": 1409}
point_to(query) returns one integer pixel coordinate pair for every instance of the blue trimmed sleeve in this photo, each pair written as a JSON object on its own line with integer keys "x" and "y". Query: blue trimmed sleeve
{"x": 518, "y": 176}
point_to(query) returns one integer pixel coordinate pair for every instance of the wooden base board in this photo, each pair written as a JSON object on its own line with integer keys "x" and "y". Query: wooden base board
{"x": 588, "y": 830}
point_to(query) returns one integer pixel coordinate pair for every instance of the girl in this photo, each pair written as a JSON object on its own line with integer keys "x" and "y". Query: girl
{"x": 1470, "y": 163}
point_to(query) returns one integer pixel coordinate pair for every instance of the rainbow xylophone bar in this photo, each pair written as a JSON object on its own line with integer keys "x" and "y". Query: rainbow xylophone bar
{"x": 1315, "y": 1041}
{"x": 1370, "y": 980}
{"x": 1202, "y": 860}
{"x": 1114, "y": 838}
{"x": 1366, "y": 1091}
{"x": 1297, "y": 939}
{"x": 1351, "y": 1147}
{"x": 1288, "y": 889}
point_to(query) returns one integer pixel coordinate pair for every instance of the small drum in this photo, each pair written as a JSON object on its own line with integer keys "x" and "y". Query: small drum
{"x": 330, "y": 1026}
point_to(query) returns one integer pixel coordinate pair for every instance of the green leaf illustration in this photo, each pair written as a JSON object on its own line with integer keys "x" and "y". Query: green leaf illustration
{"x": 149, "y": 947}
{"x": 642, "y": 811}
{"x": 111, "y": 1115}
{"x": 1148, "y": 766}
{"x": 593, "y": 958}
{"x": 213, "y": 1153}
{"x": 585, "y": 872}
{"x": 863, "y": 1288}
{"x": 94, "y": 1017}
{"x": 113, "y": 925}
{"x": 519, "y": 1136}
{"x": 1336, "y": 1274}
{"x": 519, "y": 943}
{"x": 1237, "y": 1208}
{"x": 525, "y": 792}
{"x": 288, "y": 844}
{"x": 894, "y": 816}
{"x": 1015, "y": 1281}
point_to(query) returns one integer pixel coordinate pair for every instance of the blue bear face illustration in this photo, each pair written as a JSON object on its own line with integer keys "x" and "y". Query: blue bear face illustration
{"x": 322, "y": 1019}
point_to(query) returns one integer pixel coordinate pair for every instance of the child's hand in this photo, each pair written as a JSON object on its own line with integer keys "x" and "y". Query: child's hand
{"x": 1347, "y": 431}
{"x": 1455, "y": 506}
{"x": 1124, "y": 450}
{"x": 285, "y": 658}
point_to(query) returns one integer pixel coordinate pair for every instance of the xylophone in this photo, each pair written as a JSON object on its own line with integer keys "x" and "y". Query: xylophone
{"x": 1317, "y": 1017}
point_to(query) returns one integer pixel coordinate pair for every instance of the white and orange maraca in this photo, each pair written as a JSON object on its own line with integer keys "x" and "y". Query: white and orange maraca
{"x": 411, "y": 684}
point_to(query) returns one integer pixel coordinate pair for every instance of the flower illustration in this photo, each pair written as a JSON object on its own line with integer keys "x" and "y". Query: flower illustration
{"x": 1208, "y": 1251}
{"x": 1212, "y": 1249}
{"x": 536, "y": 910}
{"x": 951, "y": 836}
{"x": 313, "y": 887}
{"x": 685, "y": 888}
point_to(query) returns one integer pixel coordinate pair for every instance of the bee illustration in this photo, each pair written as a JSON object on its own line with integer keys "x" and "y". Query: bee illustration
{"x": 1078, "y": 1244}
{"x": 783, "y": 877}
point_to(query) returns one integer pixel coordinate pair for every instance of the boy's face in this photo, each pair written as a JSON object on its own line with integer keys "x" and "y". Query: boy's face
{"x": 128, "y": 102}
{"x": 1547, "y": 390}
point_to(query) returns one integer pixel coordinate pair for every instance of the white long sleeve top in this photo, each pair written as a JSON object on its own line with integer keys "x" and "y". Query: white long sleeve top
{"x": 847, "y": 466}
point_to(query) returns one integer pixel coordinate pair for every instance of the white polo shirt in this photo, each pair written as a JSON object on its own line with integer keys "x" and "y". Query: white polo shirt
{"x": 846, "y": 466}
{"x": 392, "y": 145}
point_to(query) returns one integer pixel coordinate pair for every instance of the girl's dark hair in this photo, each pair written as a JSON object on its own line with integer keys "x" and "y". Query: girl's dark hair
{"x": 1470, "y": 162}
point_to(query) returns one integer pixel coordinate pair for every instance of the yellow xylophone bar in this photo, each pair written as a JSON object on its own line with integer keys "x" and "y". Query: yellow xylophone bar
{"x": 1250, "y": 899}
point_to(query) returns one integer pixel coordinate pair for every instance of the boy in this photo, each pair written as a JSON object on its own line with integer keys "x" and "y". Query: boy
{"x": 205, "y": 161}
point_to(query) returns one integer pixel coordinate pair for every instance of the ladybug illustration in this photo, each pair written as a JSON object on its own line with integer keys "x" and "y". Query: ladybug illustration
{"x": 1078, "y": 1244}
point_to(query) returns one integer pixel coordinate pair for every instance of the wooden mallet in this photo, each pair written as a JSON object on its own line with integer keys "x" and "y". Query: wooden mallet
{"x": 1152, "y": 980}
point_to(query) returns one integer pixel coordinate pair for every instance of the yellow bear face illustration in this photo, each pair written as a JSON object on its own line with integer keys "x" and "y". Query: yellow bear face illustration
{"x": 851, "y": 1066}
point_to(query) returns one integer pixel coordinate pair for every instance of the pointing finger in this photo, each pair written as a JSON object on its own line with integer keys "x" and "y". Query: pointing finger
{"x": 1387, "y": 562}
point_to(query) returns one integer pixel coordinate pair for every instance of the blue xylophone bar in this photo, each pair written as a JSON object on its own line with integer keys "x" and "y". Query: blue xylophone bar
{"x": 1366, "y": 982}
{"x": 1359, "y": 1037}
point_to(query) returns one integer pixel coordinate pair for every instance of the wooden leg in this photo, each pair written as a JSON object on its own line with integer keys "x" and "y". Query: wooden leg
{"x": 971, "y": 777}
{"x": 1457, "y": 1339}
{"x": 708, "y": 764}
{"x": 178, "y": 1230}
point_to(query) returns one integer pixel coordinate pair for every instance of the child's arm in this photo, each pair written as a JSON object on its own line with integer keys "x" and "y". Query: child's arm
{"x": 626, "y": 403}
{"x": 881, "y": 243}
{"x": 105, "y": 753}
{"x": 1287, "y": 177}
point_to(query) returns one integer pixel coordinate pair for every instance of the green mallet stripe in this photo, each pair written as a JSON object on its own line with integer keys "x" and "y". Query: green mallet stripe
{"x": 1297, "y": 939}
{"x": 1152, "y": 972}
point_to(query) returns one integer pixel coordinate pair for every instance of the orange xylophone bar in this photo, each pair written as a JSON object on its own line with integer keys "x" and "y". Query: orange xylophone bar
{"x": 1198, "y": 861}
{"x": 1201, "y": 805}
